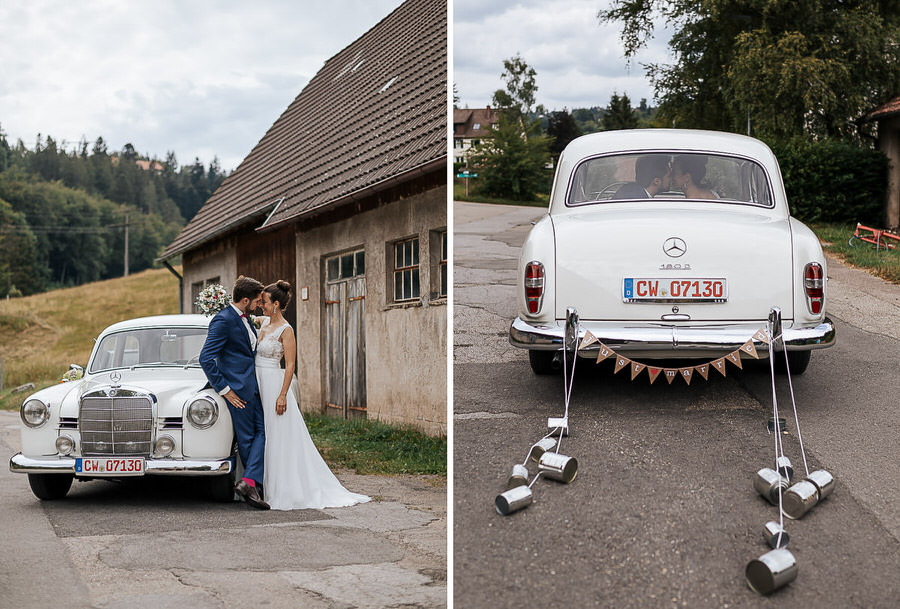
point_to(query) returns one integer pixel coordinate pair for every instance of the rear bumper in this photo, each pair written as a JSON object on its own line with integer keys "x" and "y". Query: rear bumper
{"x": 21, "y": 464}
{"x": 662, "y": 340}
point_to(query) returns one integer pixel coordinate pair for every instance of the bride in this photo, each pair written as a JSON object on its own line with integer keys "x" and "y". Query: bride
{"x": 295, "y": 474}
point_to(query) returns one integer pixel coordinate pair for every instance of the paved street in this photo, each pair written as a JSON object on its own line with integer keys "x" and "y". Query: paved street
{"x": 158, "y": 544}
{"x": 663, "y": 513}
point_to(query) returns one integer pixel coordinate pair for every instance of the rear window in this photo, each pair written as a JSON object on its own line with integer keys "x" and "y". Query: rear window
{"x": 673, "y": 176}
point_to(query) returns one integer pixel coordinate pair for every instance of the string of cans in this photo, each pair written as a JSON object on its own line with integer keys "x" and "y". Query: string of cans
{"x": 545, "y": 452}
{"x": 778, "y": 567}
{"x": 772, "y": 570}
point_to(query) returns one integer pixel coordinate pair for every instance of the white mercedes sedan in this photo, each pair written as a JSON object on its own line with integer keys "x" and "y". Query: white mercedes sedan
{"x": 669, "y": 244}
{"x": 142, "y": 407}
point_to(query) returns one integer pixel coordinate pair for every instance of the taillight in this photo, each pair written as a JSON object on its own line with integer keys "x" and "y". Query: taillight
{"x": 814, "y": 282}
{"x": 534, "y": 286}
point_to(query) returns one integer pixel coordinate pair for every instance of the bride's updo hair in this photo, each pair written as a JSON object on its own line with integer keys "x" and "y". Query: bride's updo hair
{"x": 280, "y": 292}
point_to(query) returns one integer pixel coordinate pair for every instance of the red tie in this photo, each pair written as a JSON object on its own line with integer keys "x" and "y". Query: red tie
{"x": 243, "y": 315}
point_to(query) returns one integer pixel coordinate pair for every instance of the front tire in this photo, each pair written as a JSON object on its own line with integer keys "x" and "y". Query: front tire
{"x": 48, "y": 487}
{"x": 545, "y": 362}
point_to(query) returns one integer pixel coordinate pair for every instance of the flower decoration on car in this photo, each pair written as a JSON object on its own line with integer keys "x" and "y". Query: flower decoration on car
{"x": 73, "y": 375}
{"x": 212, "y": 299}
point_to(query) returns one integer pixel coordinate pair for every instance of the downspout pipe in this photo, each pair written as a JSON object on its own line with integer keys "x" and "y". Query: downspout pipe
{"x": 180, "y": 285}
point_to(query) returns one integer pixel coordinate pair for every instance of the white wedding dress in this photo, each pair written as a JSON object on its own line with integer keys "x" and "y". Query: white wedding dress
{"x": 296, "y": 476}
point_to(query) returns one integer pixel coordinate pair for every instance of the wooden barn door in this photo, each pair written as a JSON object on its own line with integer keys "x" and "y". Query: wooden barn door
{"x": 269, "y": 257}
{"x": 345, "y": 335}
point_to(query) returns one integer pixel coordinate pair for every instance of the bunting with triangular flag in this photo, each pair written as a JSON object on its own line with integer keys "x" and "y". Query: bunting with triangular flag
{"x": 687, "y": 373}
{"x": 636, "y": 369}
{"x": 750, "y": 349}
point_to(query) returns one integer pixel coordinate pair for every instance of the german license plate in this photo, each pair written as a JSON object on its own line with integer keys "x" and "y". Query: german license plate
{"x": 649, "y": 289}
{"x": 109, "y": 466}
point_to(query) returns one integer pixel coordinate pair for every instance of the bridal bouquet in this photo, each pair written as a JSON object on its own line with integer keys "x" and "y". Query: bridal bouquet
{"x": 212, "y": 299}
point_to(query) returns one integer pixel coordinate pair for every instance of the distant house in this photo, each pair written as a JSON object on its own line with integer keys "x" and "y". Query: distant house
{"x": 345, "y": 196}
{"x": 148, "y": 165}
{"x": 887, "y": 119}
{"x": 470, "y": 127}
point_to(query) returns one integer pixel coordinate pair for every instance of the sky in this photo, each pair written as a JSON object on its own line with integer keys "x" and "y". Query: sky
{"x": 579, "y": 62}
{"x": 203, "y": 78}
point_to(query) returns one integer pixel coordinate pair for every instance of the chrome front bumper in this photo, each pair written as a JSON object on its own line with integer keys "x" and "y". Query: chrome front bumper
{"x": 21, "y": 464}
{"x": 664, "y": 340}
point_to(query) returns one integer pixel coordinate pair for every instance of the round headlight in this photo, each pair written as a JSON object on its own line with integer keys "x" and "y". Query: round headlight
{"x": 35, "y": 413}
{"x": 65, "y": 444}
{"x": 165, "y": 445}
{"x": 202, "y": 412}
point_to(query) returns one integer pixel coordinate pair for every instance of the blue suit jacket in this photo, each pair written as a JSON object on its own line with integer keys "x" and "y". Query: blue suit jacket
{"x": 227, "y": 357}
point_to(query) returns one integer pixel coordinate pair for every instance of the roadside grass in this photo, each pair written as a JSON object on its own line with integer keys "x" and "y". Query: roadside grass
{"x": 40, "y": 335}
{"x": 835, "y": 240}
{"x": 459, "y": 194}
{"x": 373, "y": 447}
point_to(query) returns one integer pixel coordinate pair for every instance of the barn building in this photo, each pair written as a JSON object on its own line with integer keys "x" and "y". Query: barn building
{"x": 345, "y": 196}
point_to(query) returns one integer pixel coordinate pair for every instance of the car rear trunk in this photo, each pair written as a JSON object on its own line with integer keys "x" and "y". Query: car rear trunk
{"x": 598, "y": 250}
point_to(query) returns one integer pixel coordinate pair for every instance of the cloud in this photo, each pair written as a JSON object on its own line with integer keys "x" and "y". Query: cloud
{"x": 579, "y": 61}
{"x": 201, "y": 78}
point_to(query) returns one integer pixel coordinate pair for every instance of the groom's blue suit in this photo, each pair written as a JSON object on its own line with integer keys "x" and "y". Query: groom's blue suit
{"x": 228, "y": 359}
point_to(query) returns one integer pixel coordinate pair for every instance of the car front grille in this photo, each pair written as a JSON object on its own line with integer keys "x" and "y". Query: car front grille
{"x": 119, "y": 425}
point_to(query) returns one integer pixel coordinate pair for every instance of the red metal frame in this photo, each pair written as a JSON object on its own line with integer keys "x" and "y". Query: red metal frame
{"x": 876, "y": 236}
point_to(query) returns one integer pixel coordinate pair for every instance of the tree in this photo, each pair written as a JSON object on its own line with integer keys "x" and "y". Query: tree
{"x": 805, "y": 67}
{"x": 619, "y": 114}
{"x": 512, "y": 166}
{"x": 520, "y": 86}
{"x": 561, "y": 126}
{"x": 513, "y": 162}
{"x": 5, "y": 152}
{"x": 19, "y": 266}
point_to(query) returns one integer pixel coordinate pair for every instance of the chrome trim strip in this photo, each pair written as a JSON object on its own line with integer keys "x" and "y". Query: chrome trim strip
{"x": 658, "y": 339}
{"x": 21, "y": 464}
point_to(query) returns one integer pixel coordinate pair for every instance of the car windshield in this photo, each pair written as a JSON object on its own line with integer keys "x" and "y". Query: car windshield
{"x": 149, "y": 347}
{"x": 669, "y": 176}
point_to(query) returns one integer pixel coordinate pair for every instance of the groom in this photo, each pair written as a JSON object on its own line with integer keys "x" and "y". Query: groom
{"x": 227, "y": 358}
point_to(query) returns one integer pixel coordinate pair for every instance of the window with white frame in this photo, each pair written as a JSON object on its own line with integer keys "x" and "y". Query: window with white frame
{"x": 406, "y": 270}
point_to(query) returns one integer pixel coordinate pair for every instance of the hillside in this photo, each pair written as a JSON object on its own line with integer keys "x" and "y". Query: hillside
{"x": 41, "y": 335}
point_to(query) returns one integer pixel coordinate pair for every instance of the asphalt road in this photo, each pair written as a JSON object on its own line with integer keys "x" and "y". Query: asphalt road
{"x": 158, "y": 543}
{"x": 663, "y": 513}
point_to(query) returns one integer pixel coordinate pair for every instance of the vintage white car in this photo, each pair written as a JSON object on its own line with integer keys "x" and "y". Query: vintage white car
{"x": 669, "y": 244}
{"x": 141, "y": 408}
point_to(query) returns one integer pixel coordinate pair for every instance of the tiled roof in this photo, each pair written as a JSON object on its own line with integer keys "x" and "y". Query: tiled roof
{"x": 885, "y": 110}
{"x": 376, "y": 111}
{"x": 473, "y": 123}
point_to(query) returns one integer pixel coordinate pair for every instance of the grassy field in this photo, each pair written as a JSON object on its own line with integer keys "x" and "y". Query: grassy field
{"x": 41, "y": 335}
